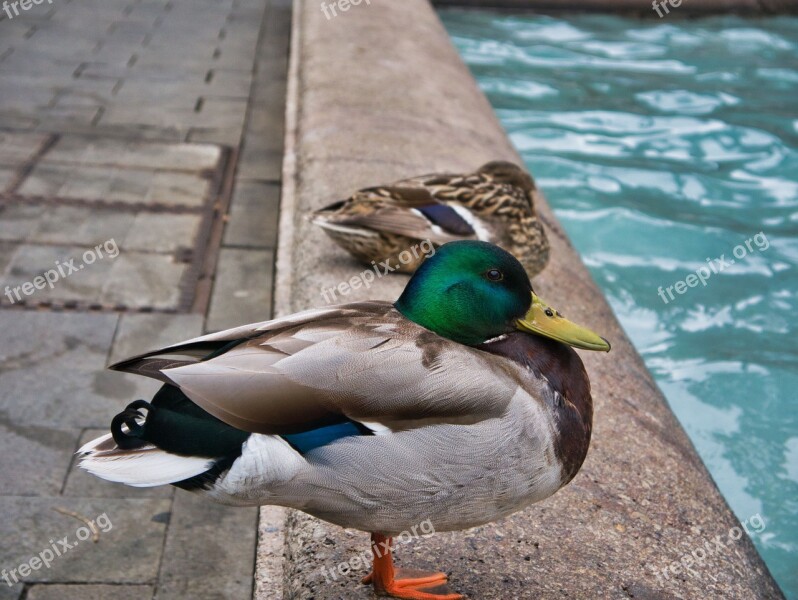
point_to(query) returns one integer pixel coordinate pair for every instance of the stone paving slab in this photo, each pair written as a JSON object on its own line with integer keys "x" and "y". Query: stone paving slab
{"x": 151, "y": 280}
{"x": 33, "y": 459}
{"x": 30, "y": 261}
{"x": 89, "y": 592}
{"x": 137, "y": 334}
{"x": 129, "y": 552}
{"x": 261, "y": 157}
{"x": 218, "y": 135}
{"x": 141, "y": 95}
{"x": 164, "y": 120}
{"x": 18, "y": 221}
{"x": 110, "y": 152}
{"x": 91, "y": 42}
{"x": 53, "y": 370}
{"x": 221, "y": 112}
{"x": 17, "y": 147}
{"x": 241, "y": 292}
{"x": 6, "y": 254}
{"x": 146, "y": 232}
{"x": 204, "y": 541}
{"x": 130, "y": 279}
{"x": 63, "y": 225}
{"x": 140, "y": 187}
{"x": 167, "y": 93}
{"x": 7, "y": 177}
{"x": 83, "y": 116}
{"x": 251, "y": 221}
{"x": 227, "y": 82}
{"x": 11, "y": 592}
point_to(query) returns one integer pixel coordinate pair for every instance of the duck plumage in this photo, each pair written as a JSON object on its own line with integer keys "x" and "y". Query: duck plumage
{"x": 490, "y": 421}
{"x": 493, "y": 204}
{"x": 440, "y": 407}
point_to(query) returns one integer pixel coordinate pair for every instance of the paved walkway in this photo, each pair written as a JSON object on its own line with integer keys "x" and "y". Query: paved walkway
{"x": 140, "y": 154}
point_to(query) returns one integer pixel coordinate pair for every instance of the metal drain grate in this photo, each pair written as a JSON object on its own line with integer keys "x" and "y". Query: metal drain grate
{"x": 163, "y": 205}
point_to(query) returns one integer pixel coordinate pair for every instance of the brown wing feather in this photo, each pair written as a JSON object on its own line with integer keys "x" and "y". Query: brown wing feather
{"x": 363, "y": 361}
{"x": 389, "y": 209}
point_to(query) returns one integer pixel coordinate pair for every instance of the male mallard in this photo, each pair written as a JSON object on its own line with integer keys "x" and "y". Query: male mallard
{"x": 459, "y": 404}
{"x": 495, "y": 205}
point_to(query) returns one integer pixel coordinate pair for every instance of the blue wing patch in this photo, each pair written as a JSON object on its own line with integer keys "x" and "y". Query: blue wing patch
{"x": 306, "y": 441}
{"x": 447, "y": 218}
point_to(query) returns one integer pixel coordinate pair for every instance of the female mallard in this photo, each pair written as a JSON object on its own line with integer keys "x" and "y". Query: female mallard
{"x": 495, "y": 205}
{"x": 459, "y": 404}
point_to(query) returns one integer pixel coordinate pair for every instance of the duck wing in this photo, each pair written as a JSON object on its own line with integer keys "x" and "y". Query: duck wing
{"x": 408, "y": 210}
{"x": 363, "y": 361}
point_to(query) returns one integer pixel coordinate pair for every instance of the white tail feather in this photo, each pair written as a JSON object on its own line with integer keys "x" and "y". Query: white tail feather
{"x": 359, "y": 231}
{"x": 147, "y": 466}
{"x": 95, "y": 443}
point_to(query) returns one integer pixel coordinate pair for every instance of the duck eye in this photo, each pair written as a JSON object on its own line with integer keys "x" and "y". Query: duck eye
{"x": 494, "y": 275}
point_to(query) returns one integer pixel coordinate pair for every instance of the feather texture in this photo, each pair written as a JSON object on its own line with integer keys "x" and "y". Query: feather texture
{"x": 494, "y": 204}
{"x": 457, "y": 434}
{"x": 147, "y": 466}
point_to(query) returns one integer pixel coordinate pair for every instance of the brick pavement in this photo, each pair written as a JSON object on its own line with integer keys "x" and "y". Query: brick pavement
{"x": 155, "y": 124}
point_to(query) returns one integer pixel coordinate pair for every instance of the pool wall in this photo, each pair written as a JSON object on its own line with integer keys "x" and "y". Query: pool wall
{"x": 641, "y": 7}
{"x": 378, "y": 93}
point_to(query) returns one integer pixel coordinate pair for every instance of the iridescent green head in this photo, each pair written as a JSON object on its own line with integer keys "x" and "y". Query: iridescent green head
{"x": 468, "y": 292}
{"x": 471, "y": 291}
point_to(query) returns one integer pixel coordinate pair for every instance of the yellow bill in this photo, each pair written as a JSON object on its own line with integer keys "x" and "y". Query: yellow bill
{"x": 544, "y": 320}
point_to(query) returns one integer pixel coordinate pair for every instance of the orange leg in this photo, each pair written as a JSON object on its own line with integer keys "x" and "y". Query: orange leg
{"x": 403, "y": 583}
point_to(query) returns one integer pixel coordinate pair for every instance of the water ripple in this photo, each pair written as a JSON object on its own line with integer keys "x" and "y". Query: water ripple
{"x": 663, "y": 146}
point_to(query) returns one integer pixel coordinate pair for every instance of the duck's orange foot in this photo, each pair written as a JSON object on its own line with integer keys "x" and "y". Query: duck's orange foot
{"x": 407, "y": 584}
{"x": 410, "y": 584}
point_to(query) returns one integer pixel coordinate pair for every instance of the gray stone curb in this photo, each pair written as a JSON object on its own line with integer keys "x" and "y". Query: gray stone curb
{"x": 378, "y": 93}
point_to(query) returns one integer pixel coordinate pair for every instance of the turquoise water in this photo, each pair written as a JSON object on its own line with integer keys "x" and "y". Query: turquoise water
{"x": 661, "y": 144}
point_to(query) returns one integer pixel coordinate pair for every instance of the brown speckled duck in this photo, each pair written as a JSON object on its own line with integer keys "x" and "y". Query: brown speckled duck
{"x": 494, "y": 204}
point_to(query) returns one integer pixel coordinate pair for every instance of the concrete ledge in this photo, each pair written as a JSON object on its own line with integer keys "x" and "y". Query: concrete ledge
{"x": 379, "y": 93}
{"x": 642, "y": 7}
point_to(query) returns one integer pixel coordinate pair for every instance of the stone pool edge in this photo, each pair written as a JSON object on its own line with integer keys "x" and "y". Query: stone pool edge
{"x": 377, "y": 93}
{"x": 639, "y": 7}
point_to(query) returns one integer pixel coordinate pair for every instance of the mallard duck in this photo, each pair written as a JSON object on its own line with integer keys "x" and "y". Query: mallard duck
{"x": 457, "y": 405}
{"x": 495, "y": 204}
